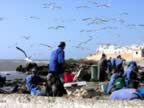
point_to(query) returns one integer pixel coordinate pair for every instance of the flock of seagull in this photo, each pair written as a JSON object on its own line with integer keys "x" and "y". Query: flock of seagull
{"x": 89, "y": 21}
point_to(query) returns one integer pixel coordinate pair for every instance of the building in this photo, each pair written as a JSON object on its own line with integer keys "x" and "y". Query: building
{"x": 133, "y": 52}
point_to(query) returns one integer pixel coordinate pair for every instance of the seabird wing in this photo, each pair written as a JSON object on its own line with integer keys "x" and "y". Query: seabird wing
{"x": 22, "y": 51}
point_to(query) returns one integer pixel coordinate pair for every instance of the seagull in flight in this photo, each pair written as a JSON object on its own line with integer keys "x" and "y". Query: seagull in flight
{"x": 57, "y": 27}
{"x": 28, "y": 59}
{"x": 26, "y": 37}
{"x": 50, "y": 47}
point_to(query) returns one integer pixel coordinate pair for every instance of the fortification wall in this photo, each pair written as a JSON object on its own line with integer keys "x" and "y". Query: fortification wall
{"x": 26, "y": 101}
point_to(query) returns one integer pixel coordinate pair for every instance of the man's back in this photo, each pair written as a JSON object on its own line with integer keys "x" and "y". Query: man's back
{"x": 124, "y": 94}
{"x": 56, "y": 58}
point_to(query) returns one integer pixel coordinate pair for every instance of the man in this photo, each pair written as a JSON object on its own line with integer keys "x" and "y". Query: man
{"x": 119, "y": 63}
{"x": 116, "y": 82}
{"x": 54, "y": 86}
{"x": 102, "y": 67}
{"x": 130, "y": 74}
{"x": 32, "y": 82}
{"x": 57, "y": 59}
{"x": 113, "y": 60}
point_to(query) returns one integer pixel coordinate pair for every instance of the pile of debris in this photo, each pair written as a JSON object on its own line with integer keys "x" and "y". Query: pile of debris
{"x": 85, "y": 90}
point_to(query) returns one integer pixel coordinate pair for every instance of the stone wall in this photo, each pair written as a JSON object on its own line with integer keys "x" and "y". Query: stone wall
{"x": 26, "y": 101}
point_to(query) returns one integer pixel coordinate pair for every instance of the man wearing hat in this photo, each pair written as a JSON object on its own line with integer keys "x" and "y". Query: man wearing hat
{"x": 57, "y": 59}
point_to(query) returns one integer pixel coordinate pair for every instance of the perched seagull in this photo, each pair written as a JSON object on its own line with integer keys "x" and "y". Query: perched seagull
{"x": 28, "y": 59}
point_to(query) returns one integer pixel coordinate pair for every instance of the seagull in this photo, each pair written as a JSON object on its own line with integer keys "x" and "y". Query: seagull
{"x": 103, "y": 5}
{"x": 26, "y": 37}
{"x": 124, "y": 13}
{"x": 46, "y": 45}
{"x": 86, "y": 19}
{"x": 28, "y": 59}
{"x": 34, "y": 17}
{"x": 59, "y": 27}
{"x": 141, "y": 25}
{"x": 56, "y": 28}
{"x": 85, "y": 42}
{"x": 99, "y": 5}
{"x": 78, "y": 7}
{"x": 51, "y": 6}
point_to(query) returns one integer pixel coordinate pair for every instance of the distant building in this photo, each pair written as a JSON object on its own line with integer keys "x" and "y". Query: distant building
{"x": 133, "y": 52}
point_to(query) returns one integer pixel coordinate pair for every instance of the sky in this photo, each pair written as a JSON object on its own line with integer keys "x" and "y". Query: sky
{"x": 82, "y": 24}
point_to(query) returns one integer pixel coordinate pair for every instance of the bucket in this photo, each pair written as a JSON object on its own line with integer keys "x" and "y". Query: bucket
{"x": 93, "y": 72}
{"x": 68, "y": 77}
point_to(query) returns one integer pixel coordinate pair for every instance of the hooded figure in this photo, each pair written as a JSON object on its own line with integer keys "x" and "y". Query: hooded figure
{"x": 57, "y": 59}
{"x": 102, "y": 67}
{"x": 130, "y": 74}
{"x": 119, "y": 63}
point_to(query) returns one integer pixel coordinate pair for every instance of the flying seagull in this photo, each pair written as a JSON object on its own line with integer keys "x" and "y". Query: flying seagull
{"x": 78, "y": 7}
{"x": 103, "y": 5}
{"x": 26, "y": 37}
{"x": 56, "y": 28}
{"x": 34, "y": 17}
{"x": 50, "y": 47}
{"x": 28, "y": 59}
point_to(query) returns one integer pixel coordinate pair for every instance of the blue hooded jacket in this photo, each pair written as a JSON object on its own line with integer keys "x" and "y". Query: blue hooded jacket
{"x": 118, "y": 61}
{"x": 113, "y": 60}
{"x": 32, "y": 81}
{"x": 125, "y": 94}
{"x": 128, "y": 72}
{"x": 56, "y": 60}
{"x": 111, "y": 82}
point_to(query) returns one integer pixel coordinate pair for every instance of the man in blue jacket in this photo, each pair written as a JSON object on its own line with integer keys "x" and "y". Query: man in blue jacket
{"x": 130, "y": 93}
{"x": 57, "y": 59}
{"x": 130, "y": 74}
{"x": 32, "y": 82}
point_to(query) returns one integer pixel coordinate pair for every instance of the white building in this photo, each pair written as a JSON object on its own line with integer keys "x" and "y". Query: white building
{"x": 133, "y": 52}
